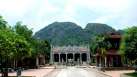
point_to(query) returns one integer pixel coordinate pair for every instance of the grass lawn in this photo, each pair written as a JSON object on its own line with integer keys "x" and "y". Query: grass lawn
{"x": 134, "y": 74}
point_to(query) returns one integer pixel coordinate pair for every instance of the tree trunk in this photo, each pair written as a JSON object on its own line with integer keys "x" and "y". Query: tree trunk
{"x": 44, "y": 59}
{"x": 5, "y": 69}
{"x": 15, "y": 63}
{"x": 100, "y": 63}
{"x": 105, "y": 61}
{"x": 5, "y": 73}
{"x": 37, "y": 62}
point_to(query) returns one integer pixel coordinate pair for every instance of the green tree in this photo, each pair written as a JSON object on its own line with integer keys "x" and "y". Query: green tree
{"x": 42, "y": 48}
{"x": 39, "y": 48}
{"x": 12, "y": 47}
{"x": 22, "y": 30}
{"x": 3, "y": 23}
{"x": 99, "y": 45}
{"x": 129, "y": 43}
{"x": 17, "y": 43}
{"x": 23, "y": 49}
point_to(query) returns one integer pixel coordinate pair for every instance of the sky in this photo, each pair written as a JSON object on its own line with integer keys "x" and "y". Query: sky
{"x": 37, "y": 14}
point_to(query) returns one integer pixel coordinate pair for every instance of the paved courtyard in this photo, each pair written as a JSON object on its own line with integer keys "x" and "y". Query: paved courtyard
{"x": 34, "y": 72}
{"x": 70, "y": 71}
{"x": 76, "y": 72}
{"x": 118, "y": 72}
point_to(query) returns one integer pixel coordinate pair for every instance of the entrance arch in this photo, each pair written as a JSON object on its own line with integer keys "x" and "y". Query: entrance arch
{"x": 63, "y": 57}
{"x": 77, "y": 57}
{"x": 70, "y": 56}
{"x": 56, "y": 57}
{"x": 84, "y": 57}
{"x": 70, "y": 59}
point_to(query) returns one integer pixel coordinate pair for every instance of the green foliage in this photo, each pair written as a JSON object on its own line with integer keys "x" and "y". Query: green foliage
{"x": 100, "y": 43}
{"x": 42, "y": 47}
{"x": 12, "y": 45}
{"x": 23, "y": 48}
{"x": 129, "y": 43}
{"x": 3, "y": 23}
{"x": 37, "y": 46}
{"x": 133, "y": 74}
{"x": 22, "y": 30}
{"x": 17, "y": 43}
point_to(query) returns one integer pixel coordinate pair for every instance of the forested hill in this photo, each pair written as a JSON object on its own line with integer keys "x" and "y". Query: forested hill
{"x": 68, "y": 33}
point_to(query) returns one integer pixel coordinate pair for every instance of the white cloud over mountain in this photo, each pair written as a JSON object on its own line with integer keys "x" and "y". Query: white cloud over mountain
{"x": 39, "y": 13}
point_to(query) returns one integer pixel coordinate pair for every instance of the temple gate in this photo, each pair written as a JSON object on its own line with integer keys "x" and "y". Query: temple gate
{"x": 70, "y": 54}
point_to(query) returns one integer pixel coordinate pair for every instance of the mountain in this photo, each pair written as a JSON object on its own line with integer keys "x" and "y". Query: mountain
{"x": 98, "y": 28}
{"x": 68, "y": 33}
{"x": 121, "y": 32}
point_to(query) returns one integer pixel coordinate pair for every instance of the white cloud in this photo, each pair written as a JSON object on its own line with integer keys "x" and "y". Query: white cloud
{"x": 103, "y": 19}
{"x": 14, "y": 7}
{"x": 38, "y": 13}
{"x": 46, "y": 8}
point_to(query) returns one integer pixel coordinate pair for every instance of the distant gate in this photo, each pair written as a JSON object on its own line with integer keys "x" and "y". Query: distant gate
{"x": 63, "y": 54}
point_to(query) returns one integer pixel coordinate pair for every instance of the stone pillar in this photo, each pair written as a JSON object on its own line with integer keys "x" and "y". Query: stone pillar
{"x": 73, "y": 58}
{"x": 44, "y": 60}
{"x": 59, "y": 58}
{"x": 97, "y": 62}
{"x": 80, "y": 58}
{"x": 88, "y": 55}
{"x": 51, "y": 56}
{"x": 88, "y": 58}
{"x": 66, "y": 58}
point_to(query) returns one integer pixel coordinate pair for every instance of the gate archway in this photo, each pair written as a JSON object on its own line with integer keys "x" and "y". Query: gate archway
{"x": 77, "y": 57}
{"x": 56, "y": 57}
{"x": 63, "y": 57}
{"x": 70, "y": 56}
{"x": 84, "y": 57}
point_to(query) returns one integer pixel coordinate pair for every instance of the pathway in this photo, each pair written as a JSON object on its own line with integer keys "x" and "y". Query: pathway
{"x": 34, "y": 72}
{"x": 76, "y": 72}
{"x": 118, "y": 72}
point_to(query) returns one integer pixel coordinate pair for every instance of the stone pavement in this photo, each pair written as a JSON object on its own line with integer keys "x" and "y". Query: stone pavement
{"x": 35, "y": 72}
{"x": 70, "y": 71}
{"x": 118, "y": 72}
{"x": 113, "y": 73}
{"x": 75, "y": 71}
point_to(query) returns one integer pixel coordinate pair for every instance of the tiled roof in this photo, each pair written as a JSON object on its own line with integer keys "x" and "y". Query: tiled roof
{"x": 70, "y": 49}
